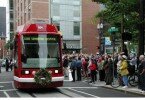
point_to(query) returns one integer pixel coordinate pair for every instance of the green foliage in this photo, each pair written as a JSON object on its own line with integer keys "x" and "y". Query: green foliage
{"x": 115, "y": 12}
{"x": 42, "y": 77}
{"x": 7, "y": 45}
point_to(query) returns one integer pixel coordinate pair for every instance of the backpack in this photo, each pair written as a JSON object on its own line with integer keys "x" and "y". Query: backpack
{"x": 73, "y": 64}
{"x": 94, "y": 61}
{"x": 130, "y": 68}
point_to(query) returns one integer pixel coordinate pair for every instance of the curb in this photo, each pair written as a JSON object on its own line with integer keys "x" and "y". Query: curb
{"x": 133, "y": 92}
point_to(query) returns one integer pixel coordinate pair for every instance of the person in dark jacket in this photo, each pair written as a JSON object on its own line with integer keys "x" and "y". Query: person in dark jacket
{"x": 65, "y": 65}
{"x": 141, "y": 72}
{"x": 7, "y": 65}
{"x": 79, "y": 67}
{"x": 73, "y": 67}
{"x": 108, "y": 67}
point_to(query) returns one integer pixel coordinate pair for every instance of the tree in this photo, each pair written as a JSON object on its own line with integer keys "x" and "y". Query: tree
{"x": 123, "y": 14}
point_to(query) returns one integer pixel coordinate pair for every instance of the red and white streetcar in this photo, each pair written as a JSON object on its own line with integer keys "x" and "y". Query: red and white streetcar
{"x": 37, "y": 46}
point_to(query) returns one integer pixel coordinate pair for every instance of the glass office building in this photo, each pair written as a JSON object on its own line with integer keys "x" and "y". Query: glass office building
{"x": 66, "y": 14}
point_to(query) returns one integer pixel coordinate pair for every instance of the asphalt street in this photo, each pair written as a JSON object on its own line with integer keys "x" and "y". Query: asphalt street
{"x": 78, "y": 89}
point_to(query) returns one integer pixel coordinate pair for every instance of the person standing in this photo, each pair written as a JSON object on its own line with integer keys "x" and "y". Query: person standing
{"x": 65, "y": 65}
{"x": 92, "y": 66}
{"x": 101, "y": 70}
{"x": 141, "y": 72}
{"x": 108, "y": 67}
{"x": 73, "y": 67}
{"x": 124, "y": 71}
{"x": 79, "y": 67}
{"x": 7, "y": 65}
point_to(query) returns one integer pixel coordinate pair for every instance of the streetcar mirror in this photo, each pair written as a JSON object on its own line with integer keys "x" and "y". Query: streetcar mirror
{"x": 23, "y": 58}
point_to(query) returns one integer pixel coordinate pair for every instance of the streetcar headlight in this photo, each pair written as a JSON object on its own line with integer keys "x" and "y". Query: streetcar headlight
{"x": 56, "y": 71}
{"x": 27, "y": 72}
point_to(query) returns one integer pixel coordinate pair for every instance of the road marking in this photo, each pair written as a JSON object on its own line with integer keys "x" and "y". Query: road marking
{"x": 67, "y": 80}
{"x": 79, "y": 87}
{"x": 6, "y": 94}
{"x": 7, "y": 82}
{"x": 9, "y": 90}
{"x": 13, "y": 85}
{"x": 84, "y": 93}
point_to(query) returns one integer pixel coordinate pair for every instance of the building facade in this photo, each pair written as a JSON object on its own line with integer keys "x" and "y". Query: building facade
{"x": 2, "y": 30}
{"x": 74, "y": 18}
{"x": 11, "y": 12}
{"x": 90, "y": 34}
{"x": 66, "y": 14}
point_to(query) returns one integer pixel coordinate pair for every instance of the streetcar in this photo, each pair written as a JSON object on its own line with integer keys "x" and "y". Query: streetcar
{"x": 37, "y": 46}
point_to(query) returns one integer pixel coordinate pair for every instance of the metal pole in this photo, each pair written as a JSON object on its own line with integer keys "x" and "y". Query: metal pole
{"x": 100, "y": 41}
{"x": 113, "y": 39}
{"x": 141, "y": 29}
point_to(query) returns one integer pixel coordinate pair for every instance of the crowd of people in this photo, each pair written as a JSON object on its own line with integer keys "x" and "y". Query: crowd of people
{"x": 86, "y": 66}
{"x": 8, "y": 64}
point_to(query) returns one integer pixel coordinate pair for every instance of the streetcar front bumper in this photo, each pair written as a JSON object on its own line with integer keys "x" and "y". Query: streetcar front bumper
{"x": 54, "y": 79}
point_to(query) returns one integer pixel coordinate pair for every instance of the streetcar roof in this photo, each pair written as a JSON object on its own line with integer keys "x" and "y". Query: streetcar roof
{"x": 37, "y": 28}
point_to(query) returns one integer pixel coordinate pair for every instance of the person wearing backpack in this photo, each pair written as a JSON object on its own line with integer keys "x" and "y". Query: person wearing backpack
{"x": 93, "y": 68}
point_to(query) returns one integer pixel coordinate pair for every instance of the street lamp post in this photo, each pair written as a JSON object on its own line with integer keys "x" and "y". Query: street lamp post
{"x": 112, "y": 32}
{"x": 100, "y": 30}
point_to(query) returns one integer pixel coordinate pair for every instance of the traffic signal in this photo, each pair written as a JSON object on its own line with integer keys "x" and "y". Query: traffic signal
{"x": 94, "y": 0}
{"x": 115, "y": 1}
{"x": 126, "y": 36}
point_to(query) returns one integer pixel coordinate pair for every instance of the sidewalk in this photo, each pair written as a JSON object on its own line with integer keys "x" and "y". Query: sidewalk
{"x": 3, "y": 69}
{"x": 129, "y": 89}
{"x": 102, "y": 84}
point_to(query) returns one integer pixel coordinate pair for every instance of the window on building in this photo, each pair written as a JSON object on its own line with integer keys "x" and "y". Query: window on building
{"x": 11, "y": 15}
{"x": 11, "y": 4}
{"x": 29, "y": 14}
{"x": 55, "y": 10}
{"x": 76, "y": 11}
{"x": 76, "y": 28}
{"x": 11, "y": 26}
{"x": 21, "y": 6}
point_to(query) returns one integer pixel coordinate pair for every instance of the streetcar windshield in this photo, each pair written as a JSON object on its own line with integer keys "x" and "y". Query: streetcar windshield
{"x": 41, "y": 51}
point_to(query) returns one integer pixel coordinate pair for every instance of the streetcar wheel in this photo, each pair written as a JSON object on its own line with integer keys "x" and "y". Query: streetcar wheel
{"x": 133, "y": 80}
